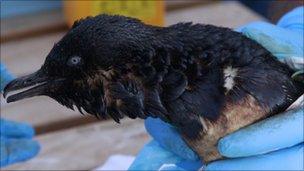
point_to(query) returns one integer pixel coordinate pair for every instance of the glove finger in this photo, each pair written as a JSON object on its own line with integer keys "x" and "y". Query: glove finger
{"x": 11, "y": 129}
{"x": 286, "y": 159}
{"x": 17, "y": 150}
{"x": 152, "y": 157}
{"x": 167, "y": 136}
{"x": 190, "y": 165}
{"x": 279, "y": 41}
{"x": 5, "y": 76}
{"x": 293, "y": 20}
{"x": 280, "y": 131}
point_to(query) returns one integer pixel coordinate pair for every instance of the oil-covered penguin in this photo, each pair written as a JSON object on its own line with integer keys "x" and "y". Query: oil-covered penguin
{"x": 207, "y": 81}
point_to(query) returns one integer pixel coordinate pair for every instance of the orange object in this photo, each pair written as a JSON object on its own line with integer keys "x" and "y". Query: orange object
{"x": 151, "y": 12}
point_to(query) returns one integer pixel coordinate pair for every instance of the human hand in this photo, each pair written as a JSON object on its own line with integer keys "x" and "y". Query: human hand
{"x": 252, "y": 148}
{"x": 167, "y": 151}
{"x": 282, "y": 141}
{"x": 5, "y": 78}
{"x": 16, "y": 142}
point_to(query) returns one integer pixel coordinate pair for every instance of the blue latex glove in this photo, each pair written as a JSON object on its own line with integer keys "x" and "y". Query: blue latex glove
{"x": 16, "y": 142}
{"x": 6, "y": 77}
{"x": 272, "y": 144}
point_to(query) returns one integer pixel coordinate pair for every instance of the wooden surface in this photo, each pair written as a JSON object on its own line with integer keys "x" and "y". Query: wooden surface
{"x": 66, "y": 142}
{"x": 32, "y": 25}
{"x": 87, "y": 146}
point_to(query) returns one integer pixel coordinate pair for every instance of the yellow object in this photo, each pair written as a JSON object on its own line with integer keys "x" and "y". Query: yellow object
{"x": 149, "y": 11}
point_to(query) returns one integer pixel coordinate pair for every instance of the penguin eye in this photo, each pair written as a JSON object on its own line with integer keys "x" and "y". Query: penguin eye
{"x": 74, "y": 61}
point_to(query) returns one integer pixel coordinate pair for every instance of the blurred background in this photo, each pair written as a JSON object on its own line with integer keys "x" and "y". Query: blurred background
{"x": 71, "y": 141}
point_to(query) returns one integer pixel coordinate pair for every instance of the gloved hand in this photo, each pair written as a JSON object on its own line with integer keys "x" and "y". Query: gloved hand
{"x": 272, "y": 144}
{"x": 16, "y": 142}
{"x": 5, "y": 78}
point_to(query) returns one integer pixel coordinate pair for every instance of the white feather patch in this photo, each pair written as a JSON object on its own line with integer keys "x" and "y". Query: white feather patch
{"x": 229, "y": 76}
